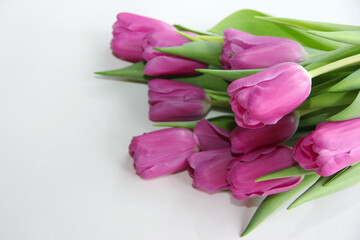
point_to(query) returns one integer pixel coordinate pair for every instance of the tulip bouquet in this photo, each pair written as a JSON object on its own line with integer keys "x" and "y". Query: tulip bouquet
{"x": 289, "y": 91}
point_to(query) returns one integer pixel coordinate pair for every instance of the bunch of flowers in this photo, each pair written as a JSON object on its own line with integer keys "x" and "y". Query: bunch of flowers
{"x": 292, "y": 122}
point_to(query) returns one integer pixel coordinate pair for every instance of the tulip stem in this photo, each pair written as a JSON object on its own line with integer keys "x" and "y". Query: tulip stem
{"x": 335, "y": 65}
{"x": 215, "y": 103}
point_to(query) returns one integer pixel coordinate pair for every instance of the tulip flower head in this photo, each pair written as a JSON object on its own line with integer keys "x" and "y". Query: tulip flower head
{"x": 176, "y": 101}
{"x": 243, "y": 50}
{"x": 245, "y": 169}
{"x": 210, "y": 137}
{"x": 209, "y": 169}
{"x": 129, "y": 31}
{"x": 244, "y": 139}
{"x": 330, "y": 148}
{"x": 159, "y": 63}
{"x": 162, "y": 152}
{"x": 265, "y": 97}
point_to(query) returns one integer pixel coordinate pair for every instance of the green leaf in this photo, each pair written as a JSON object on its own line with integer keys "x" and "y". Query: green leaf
{"x": 309, "y": 121}
{"x": 333, "y": 56}
{"x": 295, "y": 138}
{"x": 284, "y": 173}
{"x": 189, "y": 37}
{"x": 352, "y": 111}
{"x": 136, "y": 72}
{"x": 202, "y": 51}
{"x": 133, "y": 72}
{"x": 351, "y": 37}
{"x": 351, "y": 82}
{"x": 230, "y": 75}
{"x": 273, "y": 202}
{"x": 310, "y": 25}
{"x": 348, "y": 178}
{"x": 328, "y": 100}
{"x": 244, "y": 20}
{"x": 182, "y": 28}
{"x": 205, "y": 81}
{"x": 226, "y": 122}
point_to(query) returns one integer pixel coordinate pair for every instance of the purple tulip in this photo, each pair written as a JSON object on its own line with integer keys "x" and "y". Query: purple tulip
{"x": 245, "y": 169}
{"x": 162, "y": 152}
{"x": 265, "y": 97}
{"x": 242, "y": 50}
{"x": 210, "y": 137}
{"x": 244, "y": 140}
{"x": 209, "y": 169}
{"x": 176, "y": 101}
{"x": 330, "y": 148}
{"x": 129, "y": 31}
{"x": 166, "y": 64}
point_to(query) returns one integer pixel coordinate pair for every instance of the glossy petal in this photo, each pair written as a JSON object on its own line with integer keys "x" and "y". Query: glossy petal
{"x": 209, "y": 137}
{"x": 245, "y": 169}
{"x": 330, "y": 148}
{"x": 162, "y": 152}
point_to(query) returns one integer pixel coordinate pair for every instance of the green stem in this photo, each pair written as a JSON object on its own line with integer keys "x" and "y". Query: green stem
{"x": 335, "y": 65}
{"x": 211, "y": 38}
{"x": 215, "y": 103}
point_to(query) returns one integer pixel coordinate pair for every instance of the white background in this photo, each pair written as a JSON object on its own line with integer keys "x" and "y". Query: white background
{"x": 65, "y": 172}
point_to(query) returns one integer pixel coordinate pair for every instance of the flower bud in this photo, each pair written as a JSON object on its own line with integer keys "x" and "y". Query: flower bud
{"x": 159, "y": 63}
{"x": 245, "y": 169}
{"x": 244, "y": 140}
{"x": 242, "y": 50}
{"x": 330, "y": 148}
{"x": 210, "y": 137}
{"x": 176, "y": 101}
{"x": 209, "y": 169}
{"x": 162, "y": 152}
{"x": 265, "y": 97}
{"x": 129, "y": 31}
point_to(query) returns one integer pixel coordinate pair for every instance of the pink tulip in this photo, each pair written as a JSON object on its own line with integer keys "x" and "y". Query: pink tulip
{"x": 162, "y": 152}
{"x": 330, "y": 148}
{"x": 166, "y": 64}
{"x": 265, "y": 97}
{"x": 244, "y": 140}
{"x": 242, "y": 50}
{"x": 245, "y": 169}
{"x": 209, "y": 137}
{"x": 129, "y": 31}
{"x": 209, "y": 169}
{"x": 176, "y": 101}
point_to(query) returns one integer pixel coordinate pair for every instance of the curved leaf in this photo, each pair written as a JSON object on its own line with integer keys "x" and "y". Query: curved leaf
{"x": 230, "y": 75}
{"x": 287, "y": 172}
{"x": 352, "y": 111}
{"x": 351, "y": 37}
{"x": 351, "y": 82}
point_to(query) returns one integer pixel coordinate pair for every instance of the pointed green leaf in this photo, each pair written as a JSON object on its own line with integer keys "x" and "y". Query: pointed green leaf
{"x": 328, "y": 100}
{"x": 310, "y": 25}
{"x": 295, "y": 138}
{"x": 188, "y": 125}
{"x": 134, "y": 72}
{"x": 352, "y": 111}
{"x": 202, "y": 51}
{"x": 230, "y": 75}
{"x": 182, "y": 28}
{"x": 287, "y": 172}
{"x": 273, "y": 202}
{"x": 205, "y": 81}
{"x": 309, "y": 121}
{"x": 333, "y": 56}
{"x": 244, "y": 20}
{"x": 351, "y": 82}
{"x": 351, "y": 37}
{"x": 189, "y": 37}
{"x": 347, "y": 179}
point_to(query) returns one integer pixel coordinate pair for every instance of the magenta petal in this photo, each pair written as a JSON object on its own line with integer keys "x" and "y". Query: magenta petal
{"x": 209, "y": 137}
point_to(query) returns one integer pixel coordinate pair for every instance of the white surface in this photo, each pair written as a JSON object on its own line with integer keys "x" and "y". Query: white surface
{"x": 65, "y": 172}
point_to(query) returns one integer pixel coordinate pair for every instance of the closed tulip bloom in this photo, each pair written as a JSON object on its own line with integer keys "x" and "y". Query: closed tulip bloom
{"x": 245, "y": 169}
{"x": 159, "y": 63}
{"x": 209, "y": 169}
{"x": 129, "y": 32}
{"x": 265, "y": 97}
{"x": 242, "y": 50}
{"x": 244, "y": 139}
{"x": 162, "y": 152}
{"x": 330, "y": 148}
{"x": 210, "y": 137}
{"x": 176, "y": 101}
